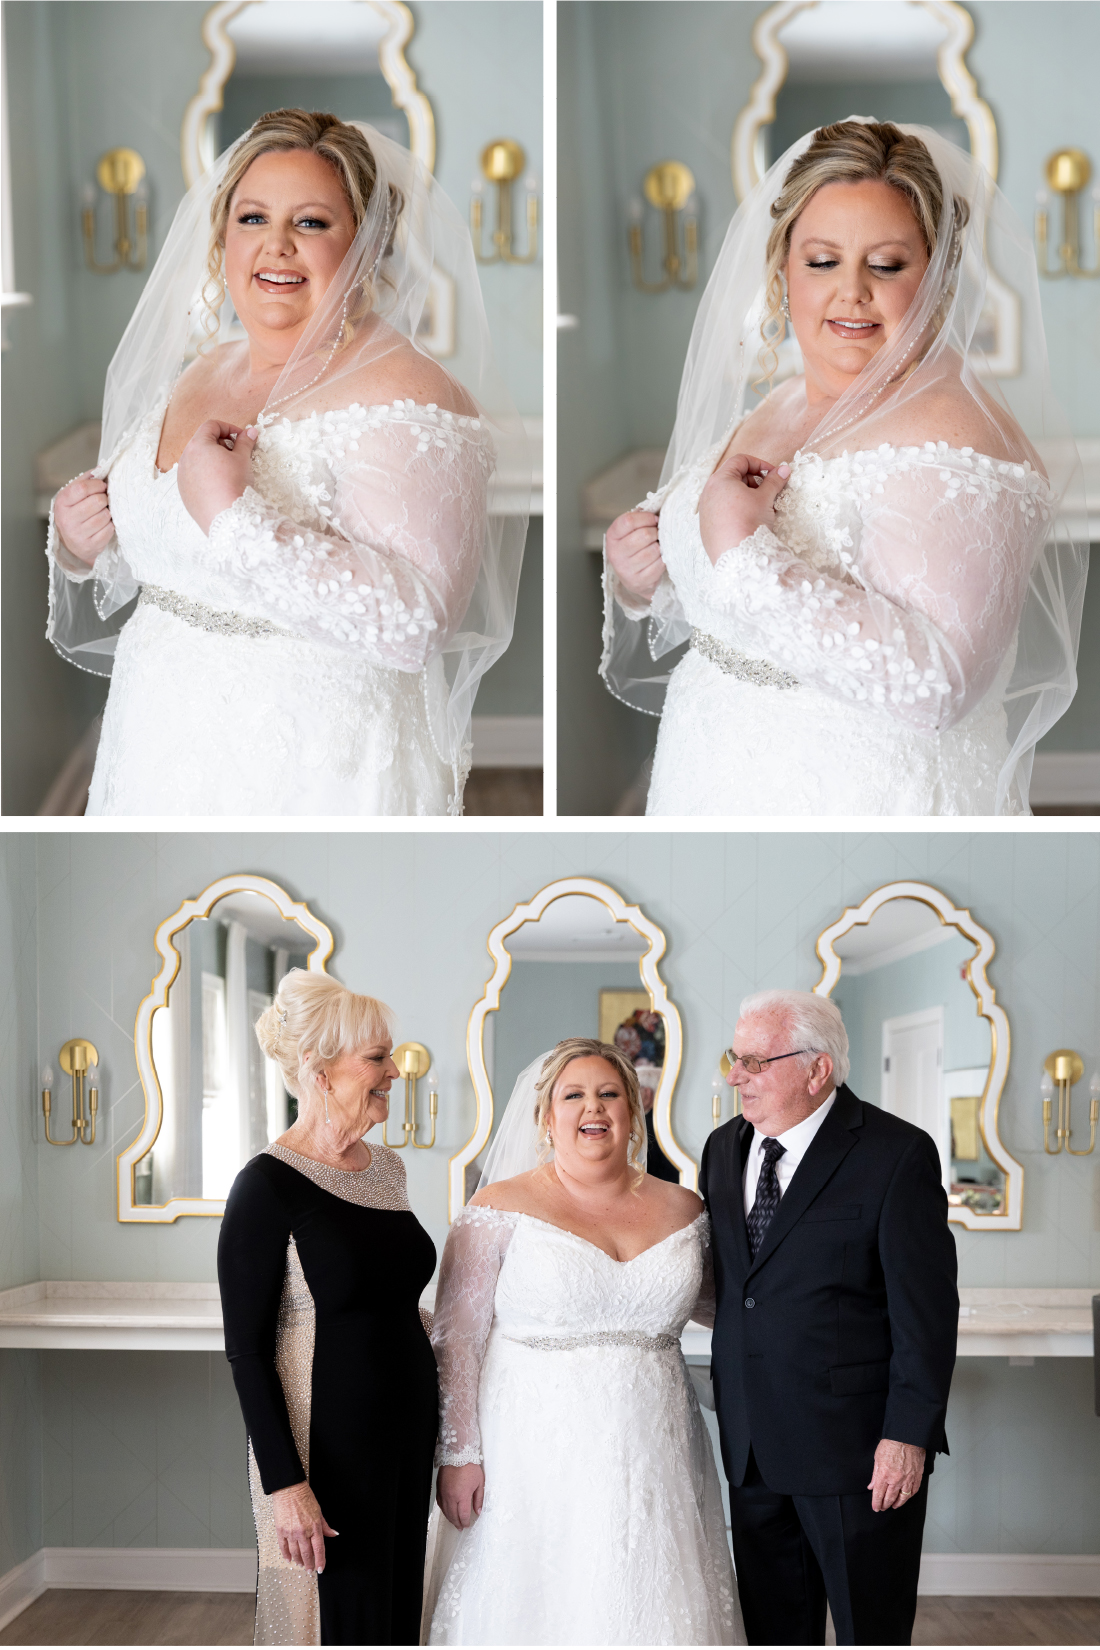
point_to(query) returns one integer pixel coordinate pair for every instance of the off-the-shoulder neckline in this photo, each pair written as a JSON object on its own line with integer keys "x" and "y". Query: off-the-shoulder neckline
{"x": 520, "y": 1214}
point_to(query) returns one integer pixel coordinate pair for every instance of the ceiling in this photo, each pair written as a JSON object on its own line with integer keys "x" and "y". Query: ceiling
{"x": 574, "y": 928}
{"x": 856, "y": 40}
{"x": 324, "y": 37}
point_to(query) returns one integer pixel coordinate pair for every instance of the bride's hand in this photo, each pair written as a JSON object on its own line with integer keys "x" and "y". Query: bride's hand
{"x": 215, "y": 467}
{"x": 460, "y": 1492}
{"x": 737, "y": 499}
{"x": 82, "y": 517}
{"x": 634, "y": 552}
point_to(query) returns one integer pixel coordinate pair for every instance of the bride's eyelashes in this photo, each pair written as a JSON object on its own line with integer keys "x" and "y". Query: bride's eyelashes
{"x": 302, "y": 223}
{"x": 876, "y": 269}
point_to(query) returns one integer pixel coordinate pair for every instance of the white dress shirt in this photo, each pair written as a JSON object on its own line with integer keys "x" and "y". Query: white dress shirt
{"x": 796, "y": 1142}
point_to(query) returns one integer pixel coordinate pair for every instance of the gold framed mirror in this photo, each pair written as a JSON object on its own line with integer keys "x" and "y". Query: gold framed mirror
{"x": 212, "y": 1099}
{"x": 820, "y": 57}
{"x": 277, "y": 53}
{"x": 597, "y": 949}
{"x": 929, "y": 1041}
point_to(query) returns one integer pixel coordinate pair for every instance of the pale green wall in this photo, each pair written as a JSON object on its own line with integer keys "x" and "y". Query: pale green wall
{"x": 644, "y": 80}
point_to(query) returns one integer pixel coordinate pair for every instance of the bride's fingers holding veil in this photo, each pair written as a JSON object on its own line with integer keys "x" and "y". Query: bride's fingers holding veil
{"x": 634, "y": 551}
{"x": 738, "y": 498}
{"x": 214, "y": 469}
{"x": 82, "y": 516}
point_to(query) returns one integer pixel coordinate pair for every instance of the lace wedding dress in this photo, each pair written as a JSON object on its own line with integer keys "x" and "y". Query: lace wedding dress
{"x": 266, "y": 669}
{"x": 854, "y": 660}
{"x": 561, "y": 1370}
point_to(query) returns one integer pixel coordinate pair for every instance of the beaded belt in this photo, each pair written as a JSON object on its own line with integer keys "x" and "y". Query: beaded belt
{"x": 737, "y": 664}
{"x": 206, "y": 618}
{"x": 603, "y": 1337}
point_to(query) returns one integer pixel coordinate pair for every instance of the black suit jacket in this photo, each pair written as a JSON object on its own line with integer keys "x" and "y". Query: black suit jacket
{"x": 843, "y": 1330}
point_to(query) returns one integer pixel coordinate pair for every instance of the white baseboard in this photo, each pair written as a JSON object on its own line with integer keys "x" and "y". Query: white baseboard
{"x": 507, "y": 741}
{"x": 21, "y": 1586}
{"x": 1065, "y": 777}
{"x": 1011, "y": 1575}
{"x": 128, "y": 1569}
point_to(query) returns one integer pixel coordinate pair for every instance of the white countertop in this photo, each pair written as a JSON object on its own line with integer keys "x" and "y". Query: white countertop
{"x": 187, "y": 1317}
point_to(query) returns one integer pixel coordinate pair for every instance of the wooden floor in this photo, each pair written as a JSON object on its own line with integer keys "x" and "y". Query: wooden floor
{"x": 503, "y": 791}
{"x": 69, "y": 1616}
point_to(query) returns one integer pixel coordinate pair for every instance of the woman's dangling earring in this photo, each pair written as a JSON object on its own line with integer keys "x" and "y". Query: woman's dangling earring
{"x": 786, "y": 304}
{"x": 328, "y": 1119}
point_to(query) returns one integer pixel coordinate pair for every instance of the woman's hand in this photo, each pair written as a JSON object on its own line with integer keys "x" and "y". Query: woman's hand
{"x": 634, "y": 552}
{"x": 460, "y": 1492}
{"x": 215, "y": 467}
{"x": 737, "y": 499}
{"x": 82, "y": 516}
{"x": 300, "y": 1526}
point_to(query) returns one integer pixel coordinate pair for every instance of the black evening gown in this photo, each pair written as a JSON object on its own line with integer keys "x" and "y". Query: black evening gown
{"x": 321, "y": 1272}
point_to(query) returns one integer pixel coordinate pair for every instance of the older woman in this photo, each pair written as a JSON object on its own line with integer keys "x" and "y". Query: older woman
{"x": 321, "y": 1264}
{"x": 576, "y": 1476}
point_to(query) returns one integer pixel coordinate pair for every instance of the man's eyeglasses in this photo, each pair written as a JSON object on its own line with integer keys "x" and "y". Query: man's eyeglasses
{"x": 754, "y": 1066}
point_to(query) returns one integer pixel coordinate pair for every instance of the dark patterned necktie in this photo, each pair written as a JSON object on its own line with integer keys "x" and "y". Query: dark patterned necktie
{"x": 767, "y": 1195}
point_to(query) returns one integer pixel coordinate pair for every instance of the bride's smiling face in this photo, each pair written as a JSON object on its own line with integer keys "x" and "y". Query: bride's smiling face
{"x": 589, "y": 1118}
{"x": 290, "y": 227}
{"x": 856, "y": 260}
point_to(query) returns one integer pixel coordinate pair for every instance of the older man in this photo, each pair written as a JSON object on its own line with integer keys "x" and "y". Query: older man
{"x": 834, "y": 1339}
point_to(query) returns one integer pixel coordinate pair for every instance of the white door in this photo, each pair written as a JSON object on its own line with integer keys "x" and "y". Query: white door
{"x": 912, "y": 1076}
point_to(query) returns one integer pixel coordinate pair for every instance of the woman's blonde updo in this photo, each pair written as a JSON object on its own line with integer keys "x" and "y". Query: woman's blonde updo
{"x": 585, "y": 1048}
{"x": 313, "y": 1020}
{"x": 851, "y": 151}
{"x": 351, "y": 158}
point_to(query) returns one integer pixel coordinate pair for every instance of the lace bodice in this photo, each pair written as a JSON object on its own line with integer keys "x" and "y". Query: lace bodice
{"x": 893, "y": 579}
{"x": 515, "y": 1276}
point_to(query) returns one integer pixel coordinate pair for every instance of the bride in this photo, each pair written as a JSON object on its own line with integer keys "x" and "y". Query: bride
{"x": 303, "y": 511}
{"x": 882, "y": 606}
{"x": 577, "y": 1484}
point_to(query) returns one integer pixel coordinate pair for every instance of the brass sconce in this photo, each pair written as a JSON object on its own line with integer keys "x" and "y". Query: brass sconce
{"x": 717, "y": 1083}
{"x": 413, "y": 1061}
{"x": 1063, "y": 1069}
{"x": 121, "y": 173}
{"x": 76, "y": 1059}
{"x": 1067, "y": 173}
{"x": 502, "y": 161}
{"x": 670, "y": 187}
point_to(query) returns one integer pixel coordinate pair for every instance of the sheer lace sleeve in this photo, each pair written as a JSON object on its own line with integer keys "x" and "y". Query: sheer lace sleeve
{"x": 936, "y": 591}
{"x": 391, "y": 571}
{"x": 704, "y": 1309}
{"x": 465, "y": 1303}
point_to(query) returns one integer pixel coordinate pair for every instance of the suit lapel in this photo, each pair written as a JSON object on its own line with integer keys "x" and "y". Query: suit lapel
{"x": 828, "y": 1149}
{"x": 737, "y": 1151}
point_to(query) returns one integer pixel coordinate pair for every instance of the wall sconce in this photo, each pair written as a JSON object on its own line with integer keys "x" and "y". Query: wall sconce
{"x": 670, "y": 187}
{"x": 1062, "y": 1069}
{"x": 1067, "y": 173}
{"x": 76, "y": 1058}
{"x": 502, "y": 161}
{"x": 413, "y": 1061}
{"x": 718, "y": 1086}
{"x": 121, "y": 173}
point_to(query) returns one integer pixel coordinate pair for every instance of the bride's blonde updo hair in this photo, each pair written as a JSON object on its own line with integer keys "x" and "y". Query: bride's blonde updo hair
{"x": 852, "y": 151}
{"x": 585, "y": 1048}
{"x": 351, "y": 158}
{"x": 315, "y": 1019}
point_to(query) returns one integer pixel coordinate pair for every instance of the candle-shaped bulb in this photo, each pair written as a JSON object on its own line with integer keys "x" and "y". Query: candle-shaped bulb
{"x": 47, "y": 1077}
{"x": 637, "y": 210}
{"x": 141, "y": 193}
{"x": 477, "y": 188}
{"x": 1094, "y": 1086}
{"x": 1042, "y": 199}
{"x": 717, "y": 1082}
{"x": 1046, "y": 1087}
{"x": 432, "y": 1080}
{"x": 531, "y": 184}
{"x": 88, "y": 195}
{"x": 691, "y": 205}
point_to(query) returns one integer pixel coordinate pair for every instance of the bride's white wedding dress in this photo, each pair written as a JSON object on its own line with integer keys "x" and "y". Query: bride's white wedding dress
{"x": 561, "y": 1370}
{"x": 854, "y": 660}
{"x": 258, "y": 673}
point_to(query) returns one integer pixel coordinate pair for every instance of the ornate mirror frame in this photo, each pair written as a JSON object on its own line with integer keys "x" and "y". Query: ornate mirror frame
{"x": 858, "y": 916}
{"x": 747, "y": 147}
{"x": 194, "y": 147}
{"x": 164, "y": 1213}
{"x": 490, "y": 1002}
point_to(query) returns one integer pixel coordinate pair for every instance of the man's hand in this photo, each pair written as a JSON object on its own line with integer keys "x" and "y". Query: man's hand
{"x": 460, "y": 1492}
{"x": 215, "y": 467}
{"x": 737, "y": 499}
{"x": 899, "y": 1469}
{"x": 634, "y": 551}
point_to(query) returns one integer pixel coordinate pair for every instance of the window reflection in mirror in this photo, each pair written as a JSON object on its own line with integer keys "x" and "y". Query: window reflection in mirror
{"x": 919, "y": 1046}
{"x": 321, "y": 56}
{"x": 223, "y": 1101}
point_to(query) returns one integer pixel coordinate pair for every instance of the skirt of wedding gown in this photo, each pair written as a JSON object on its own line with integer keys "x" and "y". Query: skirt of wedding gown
{"x": 202, "y": 723}
{"x": 603, "y": 1519}
{"x": 732, "y": 748}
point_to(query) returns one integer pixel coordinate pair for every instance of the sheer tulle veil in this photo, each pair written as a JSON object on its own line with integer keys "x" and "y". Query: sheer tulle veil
{"x": 515, "y": 1147}
{"x": 894, "y": 401}
{"x": 377, "y": 301}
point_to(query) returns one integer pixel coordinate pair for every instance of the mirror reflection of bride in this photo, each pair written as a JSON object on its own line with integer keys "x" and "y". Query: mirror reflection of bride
{"x": 303, "y": 516}
{"x": 882, "y": 604}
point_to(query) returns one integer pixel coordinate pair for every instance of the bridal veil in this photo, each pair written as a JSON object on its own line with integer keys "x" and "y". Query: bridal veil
{"x": 893, "y": 401}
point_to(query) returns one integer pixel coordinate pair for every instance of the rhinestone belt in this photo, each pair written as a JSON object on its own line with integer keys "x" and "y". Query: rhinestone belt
{"x": 603, "y": 1337}
{"x": 737, "y": 664}
{"x": 206, "y": 618}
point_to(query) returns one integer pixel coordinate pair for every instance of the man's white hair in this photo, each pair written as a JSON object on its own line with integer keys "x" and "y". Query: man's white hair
{"x": 814, "y": 1024}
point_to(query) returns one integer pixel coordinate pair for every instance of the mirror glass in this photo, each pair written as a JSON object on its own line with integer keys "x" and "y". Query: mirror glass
{"x": 574, "y": 973}
{"x": 320, "y": 56}
{"x": 919, "y": 1046}
{"x": 222, "y": 1100}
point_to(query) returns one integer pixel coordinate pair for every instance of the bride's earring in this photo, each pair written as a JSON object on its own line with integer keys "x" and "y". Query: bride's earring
{"x": 786, "y": 305}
